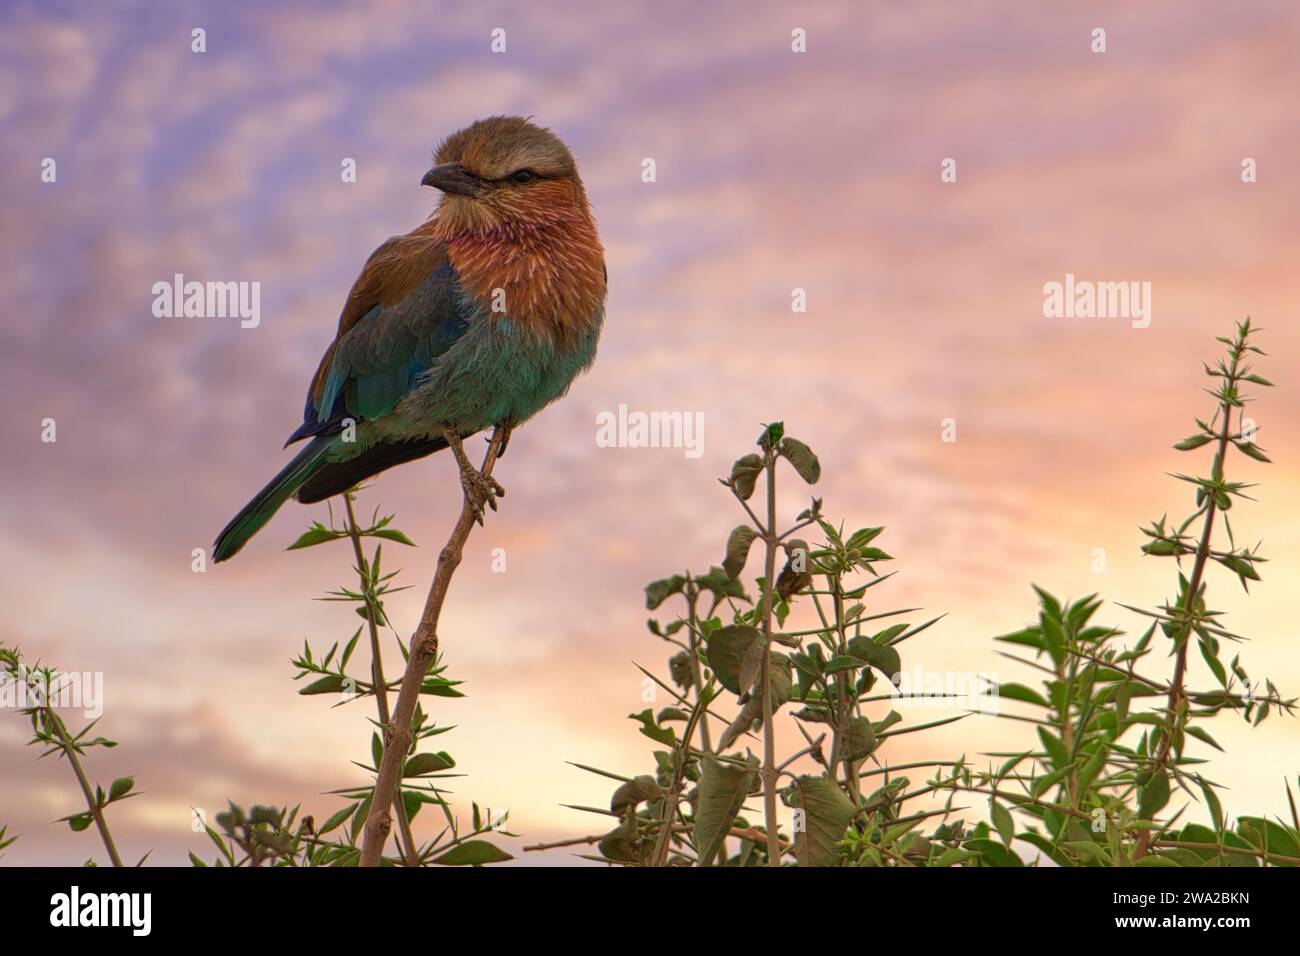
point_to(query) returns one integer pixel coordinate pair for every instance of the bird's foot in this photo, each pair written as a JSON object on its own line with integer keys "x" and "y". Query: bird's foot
{"x": 480, "y": 490}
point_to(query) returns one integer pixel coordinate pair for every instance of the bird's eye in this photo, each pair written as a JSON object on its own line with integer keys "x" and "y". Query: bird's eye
{"x": 522, "y": 176}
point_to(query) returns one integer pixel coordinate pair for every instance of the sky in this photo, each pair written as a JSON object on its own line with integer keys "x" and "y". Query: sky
{"x": 775, "y": 170}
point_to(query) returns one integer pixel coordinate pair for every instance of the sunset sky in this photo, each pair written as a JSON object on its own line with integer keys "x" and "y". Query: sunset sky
{"x": 776, "y": 171}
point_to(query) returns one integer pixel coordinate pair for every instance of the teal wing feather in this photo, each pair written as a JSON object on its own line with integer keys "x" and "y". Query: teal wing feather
{"x": 405, "y": 310}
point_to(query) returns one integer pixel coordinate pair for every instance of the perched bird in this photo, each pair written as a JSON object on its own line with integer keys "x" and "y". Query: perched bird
{"x": 482, "y": 315}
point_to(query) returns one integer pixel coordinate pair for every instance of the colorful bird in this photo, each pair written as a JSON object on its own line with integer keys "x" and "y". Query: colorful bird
{"x": 482, "y": 315}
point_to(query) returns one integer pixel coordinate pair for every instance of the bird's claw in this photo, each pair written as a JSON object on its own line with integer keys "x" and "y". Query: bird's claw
{"x": 507, "y": 429}
{"x": 481, "y": 490}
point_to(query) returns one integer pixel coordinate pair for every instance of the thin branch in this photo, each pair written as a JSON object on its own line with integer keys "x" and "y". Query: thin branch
{"x": 407, "y": 842}
{"x": 53, "y": 720}
{"x": 1188, "y": 603}
{"x": 769, "y": 731}
{"x": 423, "y": 651}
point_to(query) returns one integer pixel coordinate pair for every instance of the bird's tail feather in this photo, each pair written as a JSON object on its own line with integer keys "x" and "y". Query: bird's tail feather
{"x": 259, "y": 511}
{"x": 338, "y": 476}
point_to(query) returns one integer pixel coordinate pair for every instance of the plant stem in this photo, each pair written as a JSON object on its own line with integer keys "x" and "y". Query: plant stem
{"x": 769, "y": 732}
{"x": 377, "y": 672}
{"x": 1065, "y": 674}
{"x": 1188, "y": 604}
{"x": 675, "y": 790}
{"x": 693, "y": 641}
{"x": 423, "y": 652}
{"x": 96, "y": 811}
{"x": 845, "y": 707}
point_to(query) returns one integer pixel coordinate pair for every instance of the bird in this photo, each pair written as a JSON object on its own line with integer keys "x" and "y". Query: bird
{"x": 481, "y": 316}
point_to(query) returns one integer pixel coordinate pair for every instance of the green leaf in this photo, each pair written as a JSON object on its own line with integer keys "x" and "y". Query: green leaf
{"x": 721, "y": 586}
{"x": 1195, "y": 441}
{"x": 1001, "y": 817}
{"x": 1251, "y": 450}
{"x": 744, "y": 474}
{"x": 1029, "y": 637}
{"x": 422, "y": 764}
{"x": 440, "y": 687}
{"x": 412, "y": 801}
{"x": 782, "y": 689}
{"x": 1090, "y": 769}
{"x": 952, "y": 856}
{"x": 1091, "y": 851}
{"x": 661, "y": 735}
{"x": 619, "y": 844}
{"x": 1053, "y": 635}
{"x": 473, "y": 853}
{"x": 880, "y": 656}
{"x": 726, "y": 653}
{"x": 772, "y": 435}
{"x": 1212, "y": 801}
{"x": 861, "y": 538}
{"x": 1153, "y": 859}
{"x": 844, "y": 663}
{"x": 993, "y": 853}
{"x": 391, "y": 534}
{"x": 801, "y": 457}
{"x": 337, "y": 819}
{"x": 738, "y": 542}
{"x": 637, "y": 790}
{"x": 859, "y": 738}
{"x": 1022, "y": 693}
{"x": 120, "y": 788}
{"x": 1050, "y": 605}
{"x": 656, "y": 592}
{"x": 316, "y": 534}
{"x": 1055, "y": 749}
{"x": 329, "y": 684}
{"x": 1155, "y": 794}
{"x": 1043, "y": 783}
{"x": 1271, "y": 836}
{"x": 1211, "y": 658}
{"x": 722, "y": 791}
{"x": 1239, "y": 566}
{"x": 1162, "y": 548}
{"x": 827, "y": 812}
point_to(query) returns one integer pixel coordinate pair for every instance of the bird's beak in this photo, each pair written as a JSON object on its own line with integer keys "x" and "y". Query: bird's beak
{"x": 452, "y": 178}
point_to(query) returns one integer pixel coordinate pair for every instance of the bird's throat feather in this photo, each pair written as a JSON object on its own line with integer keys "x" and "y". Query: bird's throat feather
{"x": 548, "y": 278}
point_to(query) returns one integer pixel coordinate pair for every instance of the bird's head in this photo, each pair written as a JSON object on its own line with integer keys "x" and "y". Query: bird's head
{"x": 504, "y": 173}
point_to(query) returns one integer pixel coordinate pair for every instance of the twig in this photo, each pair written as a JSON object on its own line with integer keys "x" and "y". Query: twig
{"x": 752, "y": 834}
{"x": 423, "y": 651}
{"x": 53, "y": 720}
{"x": 801, "y": 753}
{"x": 675, "y": 790}
{"x": 574, "y": 841}
{"x": 408, "y": 845}
{"x": 1188, "y": 603}
{"x": 769, "y": 732}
